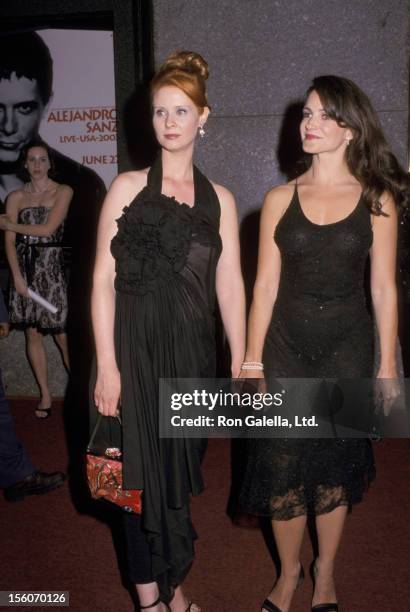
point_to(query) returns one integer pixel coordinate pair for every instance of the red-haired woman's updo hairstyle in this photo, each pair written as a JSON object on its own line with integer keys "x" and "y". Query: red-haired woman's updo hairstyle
{"x": 186, "y": 70}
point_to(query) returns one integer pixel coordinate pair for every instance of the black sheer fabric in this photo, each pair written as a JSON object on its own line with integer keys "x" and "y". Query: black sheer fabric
{"x": 166, "y": 255}
{"x": 320, "y": 327}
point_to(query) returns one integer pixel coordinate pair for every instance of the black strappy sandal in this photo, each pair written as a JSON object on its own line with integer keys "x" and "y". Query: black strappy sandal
{"x": 156, "y": 602}
{"x": 323, "y": 607}
{"x": 45, "y": 412}
{"x": 270, "y": 606}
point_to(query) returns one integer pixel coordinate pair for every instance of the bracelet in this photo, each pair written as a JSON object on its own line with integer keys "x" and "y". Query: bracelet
{"x": 252, "y": 365}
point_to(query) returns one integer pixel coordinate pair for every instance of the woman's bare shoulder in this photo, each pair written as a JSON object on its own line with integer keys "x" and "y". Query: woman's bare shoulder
{"x": 17, "y": 197}
{"x": 279, "y": 197}
{"x": 225, "y": 197}
{"x": 63, "y": 188}
{"x": 123, "y": 190}
{"x": 131, "y": 182}
{"x": 389, "y": 213}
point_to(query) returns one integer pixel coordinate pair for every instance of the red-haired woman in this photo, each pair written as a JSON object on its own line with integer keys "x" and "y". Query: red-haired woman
{"x": 309, "y": 319}
{"x": 174, "y": 245}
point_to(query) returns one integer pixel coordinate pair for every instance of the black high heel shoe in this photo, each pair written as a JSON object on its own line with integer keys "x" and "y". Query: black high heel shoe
{"x": 270, "y": 606}
{"x": 156, "y": 602}
{"x": 323, "y": 607}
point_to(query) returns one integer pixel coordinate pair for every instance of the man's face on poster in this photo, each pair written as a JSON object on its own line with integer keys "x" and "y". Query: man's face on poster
{"x": 21, "y": 110}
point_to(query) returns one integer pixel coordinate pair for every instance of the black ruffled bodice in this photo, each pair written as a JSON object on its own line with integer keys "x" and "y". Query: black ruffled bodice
{"x": 155, "y": 233}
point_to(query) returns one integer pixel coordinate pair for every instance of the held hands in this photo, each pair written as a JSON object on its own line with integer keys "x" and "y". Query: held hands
{"x": 251, "y": 374}
{"x": 255, "y": 378}
{"x": 252, "y": 367}
{"x": 107, "y": 392}
{"x": 5, "y": 222}
{"x": 236, "y": 369}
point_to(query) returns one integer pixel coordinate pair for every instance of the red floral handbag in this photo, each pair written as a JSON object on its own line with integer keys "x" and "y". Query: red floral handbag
{"x": 104, "y": 475}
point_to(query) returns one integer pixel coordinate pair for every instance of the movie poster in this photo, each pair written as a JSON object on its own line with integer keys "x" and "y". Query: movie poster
{"x": 80, "y": 120}
{"x": 59, "y": 84}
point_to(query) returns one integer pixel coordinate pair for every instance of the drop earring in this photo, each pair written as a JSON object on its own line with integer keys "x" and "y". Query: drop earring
{"x": 201, "y": 131}
{"x": 348, "y": 141}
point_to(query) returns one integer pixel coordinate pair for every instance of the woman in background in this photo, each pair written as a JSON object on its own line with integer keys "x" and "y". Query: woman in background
{"x": 309, "y": 319}
{"x": 34, "y": 226}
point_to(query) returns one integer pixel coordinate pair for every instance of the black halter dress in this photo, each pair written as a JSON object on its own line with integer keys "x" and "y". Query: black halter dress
{"x": 166, "y": 255}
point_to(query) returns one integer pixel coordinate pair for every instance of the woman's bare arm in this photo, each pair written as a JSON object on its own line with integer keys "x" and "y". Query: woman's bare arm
{"x": 12, "y": 208}
{"x": 108, "y": 385}
{"x": 55, "y": 218}
{"x": 229, "y": 283}
{"x": 383, "y": 285}
{"x": 268, "y": 274}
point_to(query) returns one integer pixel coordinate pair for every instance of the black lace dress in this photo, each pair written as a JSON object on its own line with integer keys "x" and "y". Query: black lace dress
{"x": 320, "y": 327}
{"x": 166, "y": 255}
{"x": 41, "y": 263}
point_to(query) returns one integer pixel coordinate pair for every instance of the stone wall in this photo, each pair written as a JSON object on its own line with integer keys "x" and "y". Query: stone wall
{"x": 262, "y": 56}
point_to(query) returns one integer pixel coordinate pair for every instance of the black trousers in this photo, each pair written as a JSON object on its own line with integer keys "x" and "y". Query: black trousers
{"x": 14, "y": 462}
{"x": 138, "y": 550}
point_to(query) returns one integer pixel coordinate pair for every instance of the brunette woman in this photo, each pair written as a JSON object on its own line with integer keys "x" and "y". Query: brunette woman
{"x": 309, "y": 319}
{"x": 35, "y": 224}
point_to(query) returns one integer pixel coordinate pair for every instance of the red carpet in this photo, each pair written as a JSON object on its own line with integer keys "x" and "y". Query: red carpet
{"x": 53, "y": 543}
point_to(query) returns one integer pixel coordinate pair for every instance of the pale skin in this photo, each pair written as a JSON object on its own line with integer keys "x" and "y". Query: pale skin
{"x": 45, "y": 192}
{"x": 21, "y": 111}
{"x": 176, "y": 120}
{"x": 328, "y": 193}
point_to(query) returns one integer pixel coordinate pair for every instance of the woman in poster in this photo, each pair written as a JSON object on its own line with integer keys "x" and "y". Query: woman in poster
{"x": 309, "y": 319}
{"x": 167, "y": 245}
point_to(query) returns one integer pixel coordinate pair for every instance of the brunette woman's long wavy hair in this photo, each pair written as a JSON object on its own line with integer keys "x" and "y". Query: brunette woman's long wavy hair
{"x": 368, "y": 155}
